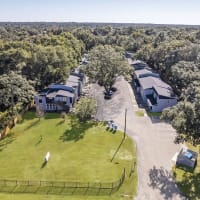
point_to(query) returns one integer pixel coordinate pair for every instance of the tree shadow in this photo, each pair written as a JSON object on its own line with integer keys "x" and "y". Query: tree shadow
{"x": 60, "y": 123}
{"x": 32, "y": 124}
{"x": 6, "y": 141}
{"x": 162, "y": 180}
{"x": 30, "y": 115}
{"x": 39, "y": 141}
{"x": 118, "y": 148}
{"x": 77, "y": 130}
{"x": 190, "y": 185}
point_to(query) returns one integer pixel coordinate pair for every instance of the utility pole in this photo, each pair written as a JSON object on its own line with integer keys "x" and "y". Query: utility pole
{"x": 125, "y": 123}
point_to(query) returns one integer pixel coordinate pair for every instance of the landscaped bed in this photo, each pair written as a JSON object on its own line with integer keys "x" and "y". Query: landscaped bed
{"x": 188, "y": 180}
{"x": 79, "y": 152}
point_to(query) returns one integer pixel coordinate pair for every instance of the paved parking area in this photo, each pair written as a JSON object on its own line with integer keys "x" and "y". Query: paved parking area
{"x": 154, "y": 141}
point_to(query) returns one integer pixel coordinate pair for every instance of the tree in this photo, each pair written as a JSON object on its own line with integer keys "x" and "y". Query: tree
{"x": 184, "y": 118}
{"x": 14, "y": 89}
{"x": 63, "y": 115}
{"x": 105, "y": 65}
{"x": 85, "y": 108}
{"x": 39, "y": 112}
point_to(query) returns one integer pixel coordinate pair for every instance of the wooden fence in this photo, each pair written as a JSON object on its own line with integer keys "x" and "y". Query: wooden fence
{"x": 60, "y": 187}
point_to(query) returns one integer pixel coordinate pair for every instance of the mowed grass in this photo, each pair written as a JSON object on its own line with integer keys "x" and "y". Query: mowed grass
{"x": 187, "y": 180}
{"x": 79, "y": 152}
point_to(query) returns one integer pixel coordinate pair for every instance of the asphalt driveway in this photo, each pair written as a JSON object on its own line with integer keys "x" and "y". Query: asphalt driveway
{"x": 154, "y": 141}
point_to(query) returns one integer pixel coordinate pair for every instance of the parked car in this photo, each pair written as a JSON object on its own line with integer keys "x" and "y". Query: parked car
{"x": 113, "y": 89}
{"x": 108, "y": 95}
{"x": 108, "y": 92}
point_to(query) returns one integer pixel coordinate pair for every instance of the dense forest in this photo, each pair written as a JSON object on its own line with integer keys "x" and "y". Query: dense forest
{"x": 34, "y": 55}
{"x": 30, "y": 59}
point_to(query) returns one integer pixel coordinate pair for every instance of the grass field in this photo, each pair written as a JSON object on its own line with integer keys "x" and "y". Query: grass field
{"x": 79, "y": 152}
{"x": 187, "y": 180}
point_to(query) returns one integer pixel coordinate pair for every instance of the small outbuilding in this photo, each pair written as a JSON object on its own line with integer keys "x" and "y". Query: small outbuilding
{"x": 187, "y": 158}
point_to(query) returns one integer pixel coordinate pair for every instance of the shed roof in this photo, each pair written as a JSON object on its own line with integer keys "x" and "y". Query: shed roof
{"x": 187, "y": 158}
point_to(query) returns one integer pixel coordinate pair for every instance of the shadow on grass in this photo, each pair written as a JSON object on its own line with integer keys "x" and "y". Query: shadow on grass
{"x": 39, "y": 141}
{"x": 51, "y": 115}
{"x": 189, "y": 185}
{"x": 6, "y": 141}
{"x": 60, "y": 123}
{"x": 59, "y": 190}
{"x": 77, "y": 130}
{"x": 30, "y": 115}
{"x": 32, "y": 124}
{"x": 43, "y": 164}
{"x": 118, "y": 148}
{"x": 162, "y": 180}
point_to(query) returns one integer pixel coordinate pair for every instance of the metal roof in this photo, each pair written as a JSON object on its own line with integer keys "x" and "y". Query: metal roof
{"x": 65, "y": 93}
{"x": 162, "y": 88}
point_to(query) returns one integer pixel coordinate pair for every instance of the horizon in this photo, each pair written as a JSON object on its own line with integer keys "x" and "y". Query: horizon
{"x": 175, "y": 12}
{"x": 94, "y": 22}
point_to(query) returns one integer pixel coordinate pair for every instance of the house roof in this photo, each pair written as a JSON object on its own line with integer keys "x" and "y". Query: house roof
{"x": 145, "y": 72}
{"x": 146, "y": 82}
{"x": 161, "y": 88}
{"x": 72, "y": 84}
{"x": 137, "y": 62}
{"x": 54, "y": 93}
{"x": 73, "y": 78}
{"x": 142, "y": 72}
{"x": 51, "y": 94}
{"x": 65, "y": 93}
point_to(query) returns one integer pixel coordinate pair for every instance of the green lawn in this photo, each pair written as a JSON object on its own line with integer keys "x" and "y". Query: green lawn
{"x": 154, "y": 114}
{"x": 187, "y": 180}
{"x": 79, "y": 152}
{"x": 140, "y": 113}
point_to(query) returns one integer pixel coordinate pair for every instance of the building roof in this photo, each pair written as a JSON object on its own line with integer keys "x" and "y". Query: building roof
{"x": 161, "y": 88}
{"x": 137, "y": 62}
{"x": 138, "y": 73}
{"x": 187, "y": 158}
{"x": 72, "y": 84}
{"x": 145, "y": 72}
{"x": 73, "y": 78}
{"x": 146, "y": 82}
{"x": 54, "y": 93}
{"x": 65, "y": 93}
{"x": 51, "y": 94}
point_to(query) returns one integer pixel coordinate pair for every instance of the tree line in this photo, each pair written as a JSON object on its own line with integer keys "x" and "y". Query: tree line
{"x": 31, "y": 59}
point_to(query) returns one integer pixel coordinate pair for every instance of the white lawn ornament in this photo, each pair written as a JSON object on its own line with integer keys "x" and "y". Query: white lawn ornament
{"x": 47, "y": 156}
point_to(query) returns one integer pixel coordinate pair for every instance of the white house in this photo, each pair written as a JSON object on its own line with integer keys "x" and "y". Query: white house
{"x": 156, "y": 94}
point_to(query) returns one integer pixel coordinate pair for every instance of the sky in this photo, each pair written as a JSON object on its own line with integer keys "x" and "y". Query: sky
{"x": 123, "y": 11}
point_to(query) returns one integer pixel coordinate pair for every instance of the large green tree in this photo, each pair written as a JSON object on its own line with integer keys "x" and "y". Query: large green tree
{"x": 14, "y": 89}
{"x": 105, "y": 65}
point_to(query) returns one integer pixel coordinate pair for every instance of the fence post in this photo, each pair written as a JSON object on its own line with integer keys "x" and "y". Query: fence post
{"x": 111, "y": 189}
